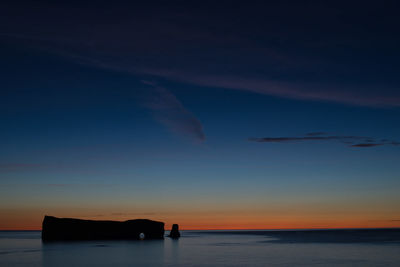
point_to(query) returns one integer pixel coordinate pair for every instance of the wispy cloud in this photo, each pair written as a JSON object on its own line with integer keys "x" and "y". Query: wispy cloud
{"x": 350, "y": 140}
{"x": 299, "y": 90}
{"x": 168, "y": 110}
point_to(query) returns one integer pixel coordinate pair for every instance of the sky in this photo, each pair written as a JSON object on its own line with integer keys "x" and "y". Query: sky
{"x": 209, "y": 114}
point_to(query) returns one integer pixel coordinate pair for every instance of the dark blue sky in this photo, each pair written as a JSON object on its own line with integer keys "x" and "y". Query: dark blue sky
{"x": 259, "y": 106}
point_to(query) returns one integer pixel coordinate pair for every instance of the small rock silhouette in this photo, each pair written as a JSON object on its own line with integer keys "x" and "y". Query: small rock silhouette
{"x": 174, "y": 231}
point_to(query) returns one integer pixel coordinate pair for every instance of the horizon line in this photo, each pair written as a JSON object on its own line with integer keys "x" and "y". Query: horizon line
{"x": 245, "y": 229}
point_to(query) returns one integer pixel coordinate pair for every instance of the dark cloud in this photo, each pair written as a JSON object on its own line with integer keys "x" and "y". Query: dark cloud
{"x": 305, "y": 138}
{"x": 91, "y": 216}
{"x": 133, "y": 213}
{"x": 352, "y": 141}
{"x": 368, "y": 145}
{"x": 316, "y": 133}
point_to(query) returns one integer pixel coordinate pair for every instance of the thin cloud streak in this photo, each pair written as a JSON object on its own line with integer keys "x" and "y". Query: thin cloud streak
{"x": 298, "y": 90}
{"x": 15, "y": 167}
{"x": 367, "y": 145}
{"x": 352, "y": 141}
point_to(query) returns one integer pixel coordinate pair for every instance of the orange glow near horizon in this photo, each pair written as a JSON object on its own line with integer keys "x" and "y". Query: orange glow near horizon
{"x": 226, "y": 222}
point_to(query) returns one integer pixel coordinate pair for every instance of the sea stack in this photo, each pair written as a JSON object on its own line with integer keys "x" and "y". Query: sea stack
{"x": 175, "y": 231}
{"x": 57, "y": 229}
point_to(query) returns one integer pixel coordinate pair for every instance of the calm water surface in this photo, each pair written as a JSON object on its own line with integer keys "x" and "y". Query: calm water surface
{"x": 202, "y": 248}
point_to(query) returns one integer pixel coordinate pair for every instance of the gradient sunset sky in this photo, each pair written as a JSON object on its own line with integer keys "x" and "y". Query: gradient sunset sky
{"x": 209, "y": 114}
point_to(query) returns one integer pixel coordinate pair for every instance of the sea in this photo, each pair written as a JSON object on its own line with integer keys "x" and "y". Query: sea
{"x": 350, "y": 247}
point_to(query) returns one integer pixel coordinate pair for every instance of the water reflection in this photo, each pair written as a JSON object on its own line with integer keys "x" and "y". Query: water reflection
{"x": 171, "y": 251}
{"x": 194, "y": 249}
{"x": 104, "y": 253}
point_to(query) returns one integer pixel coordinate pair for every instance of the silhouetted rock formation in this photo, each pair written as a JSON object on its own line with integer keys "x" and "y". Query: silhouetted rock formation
{"x": 175, "y": 231}
{"x": 75, "y": 229}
